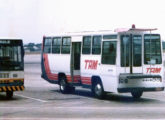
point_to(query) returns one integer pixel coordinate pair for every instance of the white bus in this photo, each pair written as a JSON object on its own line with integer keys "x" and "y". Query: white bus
{"x": 120, "y": 61}
{"x": 11, "y": 66}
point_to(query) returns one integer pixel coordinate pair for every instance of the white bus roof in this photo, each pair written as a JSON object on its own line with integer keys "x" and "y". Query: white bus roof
{"x": 134, "y": 30}
{"x": 116, "y": 31}
{"x": 84, "y": 33}
{"x": 7, "y": 38}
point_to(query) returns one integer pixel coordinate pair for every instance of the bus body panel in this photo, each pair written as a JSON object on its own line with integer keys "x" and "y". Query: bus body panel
{"x": 63, "y": 67}
{"x": 76, "y": 38}
{"x": 115, "y": 78}
{"x": 90, "y": 66}
{"x": 109, "y": 77}
{"x": 47, "y": 73}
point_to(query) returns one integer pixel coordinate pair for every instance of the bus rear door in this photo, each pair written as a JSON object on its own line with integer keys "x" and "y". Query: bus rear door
{"x": 131, "y": 53}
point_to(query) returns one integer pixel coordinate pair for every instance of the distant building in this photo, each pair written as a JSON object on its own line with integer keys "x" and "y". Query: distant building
{"x": 32, "y": 48}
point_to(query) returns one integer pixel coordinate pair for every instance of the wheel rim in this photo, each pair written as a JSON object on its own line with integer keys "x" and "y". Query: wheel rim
{"x": 62, "y": 84}
{"x": 98, "y": 89}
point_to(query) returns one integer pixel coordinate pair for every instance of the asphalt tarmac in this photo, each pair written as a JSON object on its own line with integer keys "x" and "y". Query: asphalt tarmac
{"x": 42, "y": 100}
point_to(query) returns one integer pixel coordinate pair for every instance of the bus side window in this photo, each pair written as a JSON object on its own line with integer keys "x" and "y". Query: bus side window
{"x": 48, "y": 45}
{"x": 66, "y": 42}
{"x": 96, "y": 45}
{"x": 56, "y": 45}
{"x": 86, "y": 49}
{"x": 109, "y": 52}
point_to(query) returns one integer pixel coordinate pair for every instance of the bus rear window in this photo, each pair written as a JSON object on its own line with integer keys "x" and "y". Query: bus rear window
{"x": 137, "y": 50}
{"x": 152, "y": 49}
{"x": 126, "y": 50}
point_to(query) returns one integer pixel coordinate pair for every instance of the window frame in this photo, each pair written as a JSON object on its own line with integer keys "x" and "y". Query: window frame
{"x": 56, "y": 45}
{"x": 94, "y": 46}
{"x": 62, "y": 45}
{"x": 122, "y": 62}
{"x": 150, "y": 51}
{"x": 46, "y": 38}
{"x": 90, "y": 45}
{"x": 137, "y": 35}
{"x": 115, "y": 55}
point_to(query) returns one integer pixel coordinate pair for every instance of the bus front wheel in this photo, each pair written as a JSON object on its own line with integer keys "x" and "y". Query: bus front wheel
{"x": 98, "y": 90}
{"x": 9, "y": 94}
{"x": 137, "y": 94}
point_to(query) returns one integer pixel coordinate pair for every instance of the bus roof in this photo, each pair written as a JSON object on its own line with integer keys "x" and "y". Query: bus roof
{"x": 9, "y": 38}
{"x": 116, "y": 31}
{"x": 119, "y": 30}
{"x": 82, "y": 33}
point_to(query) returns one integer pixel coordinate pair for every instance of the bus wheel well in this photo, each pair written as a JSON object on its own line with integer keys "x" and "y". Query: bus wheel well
{"x": 65, "y": 87}
{"x": 61, "y": 75}
{"x": 97, "y": 87}
{"x": 95, "y": 79}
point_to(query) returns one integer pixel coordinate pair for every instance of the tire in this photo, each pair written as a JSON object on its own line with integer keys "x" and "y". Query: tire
{"x": 136, "y": 94}
{"x": 64, "y": 87}
{"x": 9, "y": 94}
{"x": 71, "y": 89}
{"x": 98, "y": 90}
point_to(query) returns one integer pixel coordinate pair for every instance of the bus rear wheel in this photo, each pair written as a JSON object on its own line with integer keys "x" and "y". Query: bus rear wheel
{"x": 9, "y": 94}
{"x": 137, "y": 94}
{"x": 64, "y": 87}
{"x": 98, "y": 90}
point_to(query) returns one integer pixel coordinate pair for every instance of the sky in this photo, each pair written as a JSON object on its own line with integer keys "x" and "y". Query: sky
{"x": 30, "y": 20}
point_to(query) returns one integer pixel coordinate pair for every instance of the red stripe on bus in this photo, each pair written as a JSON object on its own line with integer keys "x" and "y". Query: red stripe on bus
{"x": 77, "y": 78}
{"x": 47, "y": 69}
{"x": 86, "y": 80}
{"x": 52, "y": 76}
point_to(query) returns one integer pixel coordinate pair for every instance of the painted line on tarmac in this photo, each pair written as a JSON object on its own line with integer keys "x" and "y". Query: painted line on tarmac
{"x": 34, "y": 118}
{"x": 90, "y": 108}
{"x": 103, "y": 118}
{"x": 31, "y": 98}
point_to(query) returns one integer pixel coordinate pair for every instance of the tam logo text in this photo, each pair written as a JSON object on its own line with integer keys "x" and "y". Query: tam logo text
{"x": 153, "y": 70}
{"x": 91, "y": 64}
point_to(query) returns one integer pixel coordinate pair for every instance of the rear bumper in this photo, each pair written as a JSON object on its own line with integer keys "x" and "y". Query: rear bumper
{"x": 11, "y": 88}
{"x": 125, "y": 90}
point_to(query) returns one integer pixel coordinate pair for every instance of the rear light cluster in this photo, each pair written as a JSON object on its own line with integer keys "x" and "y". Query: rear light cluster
{"x": 125, "y": 80}
{"x": 122, "y": 81}
{"x": 4, "y": 75}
